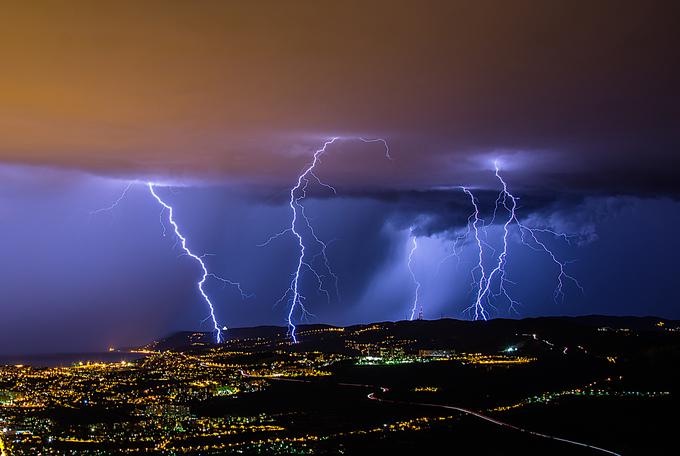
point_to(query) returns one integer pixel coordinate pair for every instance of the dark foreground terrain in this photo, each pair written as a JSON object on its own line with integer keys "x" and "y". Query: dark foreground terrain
{"x": 590, "y": 385}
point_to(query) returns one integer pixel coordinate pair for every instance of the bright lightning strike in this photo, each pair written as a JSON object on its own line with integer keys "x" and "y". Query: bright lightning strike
{"x": 294, "y": 203}
{"x": 534, "y": 243}
{"x": 206, "y": 274}
{"x": 528, "y": 236}
{"x": 416, "y": 282}
{"x": 477, "y": 307}
{"x": 297, "y": 194}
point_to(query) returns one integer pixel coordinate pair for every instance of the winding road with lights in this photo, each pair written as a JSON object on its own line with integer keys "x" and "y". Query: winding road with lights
{"x": 373, "y": 397}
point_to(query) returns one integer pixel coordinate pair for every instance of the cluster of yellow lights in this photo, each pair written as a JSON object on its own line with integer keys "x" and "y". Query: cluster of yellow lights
{"x": 587, "y": 390}
{"x": 291, "y": 373}
{"x": 368, "y": 328}
{"x": 426, "y": 389}
{"x": 67, "y": 386}
{"x": 416, "y": 424}
{"x": 3, "y": 449}
{"x": 478, "y": 358}
{"x": 310, "y": 332}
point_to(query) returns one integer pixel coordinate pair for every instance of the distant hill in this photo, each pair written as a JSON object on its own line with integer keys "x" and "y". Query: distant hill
{"x": 431, "y": 334}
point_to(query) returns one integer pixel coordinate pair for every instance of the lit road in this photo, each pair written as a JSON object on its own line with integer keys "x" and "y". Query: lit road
{"x": 373, "y": 397}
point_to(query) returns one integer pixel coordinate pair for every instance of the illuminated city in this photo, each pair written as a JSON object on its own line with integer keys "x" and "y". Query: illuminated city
{"x": 260, "y": 393}
{"x": 324, "y": 227}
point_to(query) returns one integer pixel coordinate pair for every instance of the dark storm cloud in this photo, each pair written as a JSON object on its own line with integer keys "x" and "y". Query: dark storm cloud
{"x": 585, "y": 93}
{"x": 75, "y": 281}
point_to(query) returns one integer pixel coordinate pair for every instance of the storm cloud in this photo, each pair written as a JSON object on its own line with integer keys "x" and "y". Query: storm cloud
{"x": 574, "y": 95}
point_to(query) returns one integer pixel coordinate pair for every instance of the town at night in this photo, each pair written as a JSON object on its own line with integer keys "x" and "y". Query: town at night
{"x": 380, "y": 387}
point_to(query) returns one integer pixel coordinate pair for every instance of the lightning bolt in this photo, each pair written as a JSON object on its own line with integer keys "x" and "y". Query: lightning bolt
{"x": 186, "y": 251}
{"x": 297, "y": 194}
{"x": 456, "y": 247}
{"x": 539, "y": 245}
{"x": 199, "y": 259}
{"x": 530, "y": 237}
{"x": 414, "y": 247}
{"x": 380, "y": 140}
{"x": 294, "y": 203}
{"x": 115, "y": 203}
{"x": 477, "y": 307}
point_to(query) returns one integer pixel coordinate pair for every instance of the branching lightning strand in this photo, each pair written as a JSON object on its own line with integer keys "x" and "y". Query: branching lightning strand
{"x": 199, "y": 259}
{"x": 298, "y": 193}
{"x": 416, "y": 282}
{"x": 528, "y": 237}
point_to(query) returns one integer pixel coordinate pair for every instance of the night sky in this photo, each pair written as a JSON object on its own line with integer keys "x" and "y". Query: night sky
{"x": 222, "y": 104}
